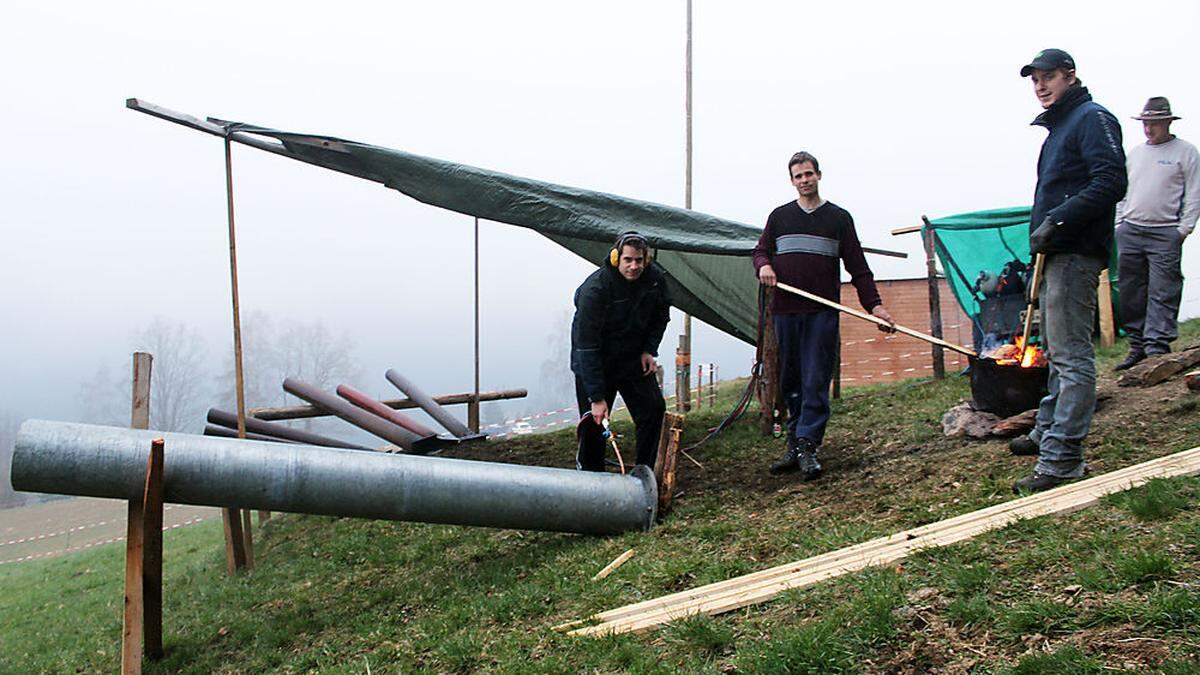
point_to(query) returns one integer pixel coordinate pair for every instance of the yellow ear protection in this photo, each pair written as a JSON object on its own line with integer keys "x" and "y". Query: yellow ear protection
{"x": 614, "y": 256}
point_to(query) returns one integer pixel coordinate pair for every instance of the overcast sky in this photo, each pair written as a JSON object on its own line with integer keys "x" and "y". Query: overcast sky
{"x": 111, "y": 217}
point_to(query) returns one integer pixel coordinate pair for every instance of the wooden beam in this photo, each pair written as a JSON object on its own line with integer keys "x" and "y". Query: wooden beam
{"x": 937, "y": 355}
{"x": 134, "y": 608}
{"x": 612, "y": 566}
{"x": 906, "y": 230}
{"x": 152, "y": 551}
{"x": 296, "y": 412}
{"x": 767, "y": 584}
{"x": 1108, "y": 331}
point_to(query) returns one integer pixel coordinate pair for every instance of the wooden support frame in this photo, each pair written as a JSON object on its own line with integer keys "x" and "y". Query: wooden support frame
{"x": 937, "y": 354}
{"x": 767, "y": 584}
{"x": 665, "y": 463}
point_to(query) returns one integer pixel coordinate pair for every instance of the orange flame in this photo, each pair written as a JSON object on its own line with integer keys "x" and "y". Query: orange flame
{"x": 1017, "y": 353}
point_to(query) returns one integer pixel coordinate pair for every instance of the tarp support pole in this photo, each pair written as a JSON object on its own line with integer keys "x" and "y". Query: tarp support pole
{"x": 935, "y": 298}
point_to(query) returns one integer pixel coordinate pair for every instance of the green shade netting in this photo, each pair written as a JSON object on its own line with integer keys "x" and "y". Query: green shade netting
{"x": 985, "y": 241}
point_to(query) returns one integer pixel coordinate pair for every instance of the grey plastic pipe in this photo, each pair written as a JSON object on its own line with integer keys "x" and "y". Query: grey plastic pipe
{"x": 96, "y": 461}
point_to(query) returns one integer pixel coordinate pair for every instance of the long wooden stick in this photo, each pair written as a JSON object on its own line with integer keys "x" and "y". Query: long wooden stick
{"x": 1038, "y": 263}
{"x": 612, "y": 566}
{"x": 876, "y": 320}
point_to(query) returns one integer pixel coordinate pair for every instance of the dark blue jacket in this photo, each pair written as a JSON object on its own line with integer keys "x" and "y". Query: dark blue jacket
{"x": 616, "y": 321}
{"x": 1081, "y": 175}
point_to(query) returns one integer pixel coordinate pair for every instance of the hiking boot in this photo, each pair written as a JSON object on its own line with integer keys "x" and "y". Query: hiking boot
{"x": 790, "y": 461}
{"x": 1130, "y": 361}
{"x": 808, "y": 462}
{"x": 1038, "y": 482}
{"x": 1023, "y": 446}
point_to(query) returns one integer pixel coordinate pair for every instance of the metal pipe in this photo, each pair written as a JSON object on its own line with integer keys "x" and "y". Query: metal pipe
{"x": 382, "y": 428}
{"x": 296, "y": 412}
{"x": 96, "y": 461}
{"x": 427, "y": 404}
{"x": 374, "y": 407}
{"x": 223, "y": 432}
{"x": 230, "y": 421}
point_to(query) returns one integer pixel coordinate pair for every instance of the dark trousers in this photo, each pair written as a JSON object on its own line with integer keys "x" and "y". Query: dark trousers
{"x": 1150, "y": 284}
{"x": 807, "y": 350}
{"x": 644, "y": 399}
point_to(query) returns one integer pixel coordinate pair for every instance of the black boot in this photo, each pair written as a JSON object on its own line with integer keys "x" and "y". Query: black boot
{"x": 1023, "y": 446}
{"x": 1130, "y": 361}
{"x": 808, "y": 461}
{"x": 790, "y": 461}
{"x": 1038, "y": 482}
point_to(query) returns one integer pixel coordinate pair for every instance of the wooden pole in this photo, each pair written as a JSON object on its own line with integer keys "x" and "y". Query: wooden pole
{"x": 152, "y": 529}
{"x": 473, "y": 406}
{"x": 769, "y": 396}
{"x": 664, "y": 465}
{"x": 712, "y": 385}
{"x": 235, "y": 551}
{"x": 876, "y": 320}
{"x": 134, "y": 614}
{"x": 928, "y": 236}
{"x": 1108, "y": 330}
{"x": 683, "y": 387}
{"x": 1035, "y": 280}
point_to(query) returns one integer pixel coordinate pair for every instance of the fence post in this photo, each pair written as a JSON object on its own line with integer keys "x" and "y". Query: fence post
{"x": 928, "y": 236}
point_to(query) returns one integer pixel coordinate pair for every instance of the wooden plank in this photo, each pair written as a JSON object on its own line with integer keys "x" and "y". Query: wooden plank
{"x": 1108, "y": 331}
{"x": 923, "y": 533}
{"x": 152, "y": 551}
{"x": 134, "y": 607}
{"x": 767, "y": 584}
{"x": 305, "y": 411}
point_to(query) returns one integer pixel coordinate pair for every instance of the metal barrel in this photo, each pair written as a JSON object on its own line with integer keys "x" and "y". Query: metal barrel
{"x": 228, "y": 420}
{"x": 96, "y": 461}
{"x": 392, "y": 433}
{"x": 427, "y": 404}
{"x": 375, "y": 407}
{"x": 224, "y": 432}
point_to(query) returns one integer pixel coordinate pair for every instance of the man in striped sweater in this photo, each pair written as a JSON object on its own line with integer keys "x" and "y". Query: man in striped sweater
{"x": 801, "y": 246}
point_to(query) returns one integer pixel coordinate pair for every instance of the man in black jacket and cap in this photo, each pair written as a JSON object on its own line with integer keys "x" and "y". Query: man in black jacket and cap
{"x": 621, "y": 311}
{"x": 1080, "y": 179}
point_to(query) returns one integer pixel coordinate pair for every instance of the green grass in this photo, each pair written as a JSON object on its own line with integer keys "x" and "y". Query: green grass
{"x": 344, "y": 595}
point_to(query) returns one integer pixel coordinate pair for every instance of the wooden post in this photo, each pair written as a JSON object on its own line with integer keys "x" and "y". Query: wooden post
{"x": 134, "y": 615}
{"x": 928, "y": 236}
{"x": 152, "y": 548}
{"x": 712, "y": 385}
{"x": 769, "y": 397}
{"x": 1108, "y": 331}
{"x": 683, "y": 374}
{"x": 683, "y": 387}
{"x": 235, "y": 552}
{"x": 664, "y": 465}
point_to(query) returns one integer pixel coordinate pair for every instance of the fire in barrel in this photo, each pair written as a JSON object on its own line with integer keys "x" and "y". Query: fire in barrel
{"x": 1009, "y": 379}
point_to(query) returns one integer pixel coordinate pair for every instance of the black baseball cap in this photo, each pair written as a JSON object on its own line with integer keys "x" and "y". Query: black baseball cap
{"x": 1048, "y": 59}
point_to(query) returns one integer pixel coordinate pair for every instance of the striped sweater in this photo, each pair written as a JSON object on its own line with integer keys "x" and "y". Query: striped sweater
{"x": 804, "y": 248}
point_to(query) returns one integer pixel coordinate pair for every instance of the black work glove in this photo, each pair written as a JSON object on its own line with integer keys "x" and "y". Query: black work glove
{"x": 1040, "y": 238}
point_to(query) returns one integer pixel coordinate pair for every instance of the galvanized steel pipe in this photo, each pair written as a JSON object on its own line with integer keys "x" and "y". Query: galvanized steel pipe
{"x": 427, "y": 404}
{"x": 96, "y": 461}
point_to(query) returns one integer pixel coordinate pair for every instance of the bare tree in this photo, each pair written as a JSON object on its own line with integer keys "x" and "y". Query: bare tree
{"x": 177, "y": 392}
{"x": 557, "y": 382}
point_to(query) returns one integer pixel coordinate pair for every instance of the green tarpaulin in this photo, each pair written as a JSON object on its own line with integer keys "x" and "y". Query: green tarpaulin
{"x": 984, "y": 241}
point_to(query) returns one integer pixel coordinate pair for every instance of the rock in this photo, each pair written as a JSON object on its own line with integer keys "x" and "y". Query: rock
{"x": 1015, "y": 425}
{"x": 1193, "y": 380}
{"x": 922, "y": 594}
{"x": 963, "y": 420}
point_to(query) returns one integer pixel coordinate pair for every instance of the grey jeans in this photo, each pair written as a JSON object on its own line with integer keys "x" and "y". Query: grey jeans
{"x": 1068, "y": 304}
{"x": 1151, "y": 285}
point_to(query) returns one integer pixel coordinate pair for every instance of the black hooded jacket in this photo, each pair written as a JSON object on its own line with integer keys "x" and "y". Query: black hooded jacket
{"x": 616, "y": 321}
{"x": 1081, "y": 175}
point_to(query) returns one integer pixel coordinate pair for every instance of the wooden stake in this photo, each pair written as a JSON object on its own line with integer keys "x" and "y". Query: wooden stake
{"x": 134, "y": 615}
{"x": 1035, "y": 280}
{"x": 1108, "y": 332}
{"x": 612, "y": 566}
{"x": 152, "y": 529}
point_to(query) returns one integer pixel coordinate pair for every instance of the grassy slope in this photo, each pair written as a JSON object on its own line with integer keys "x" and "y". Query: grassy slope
{"x": 1117, "y": 585}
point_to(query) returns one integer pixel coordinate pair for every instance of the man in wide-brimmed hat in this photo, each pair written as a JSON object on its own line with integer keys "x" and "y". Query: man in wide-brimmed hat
{"x": 1159, "y": 211}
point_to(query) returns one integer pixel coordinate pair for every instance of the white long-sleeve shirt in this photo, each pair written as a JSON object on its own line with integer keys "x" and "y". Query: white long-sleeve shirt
{"x": 1164, "y": 186}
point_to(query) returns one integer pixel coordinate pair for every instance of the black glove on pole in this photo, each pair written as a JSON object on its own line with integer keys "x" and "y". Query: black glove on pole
{"x": 1040, "y": 238}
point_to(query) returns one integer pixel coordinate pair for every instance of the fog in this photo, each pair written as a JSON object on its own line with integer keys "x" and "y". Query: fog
{"x": 112, "y": 219}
